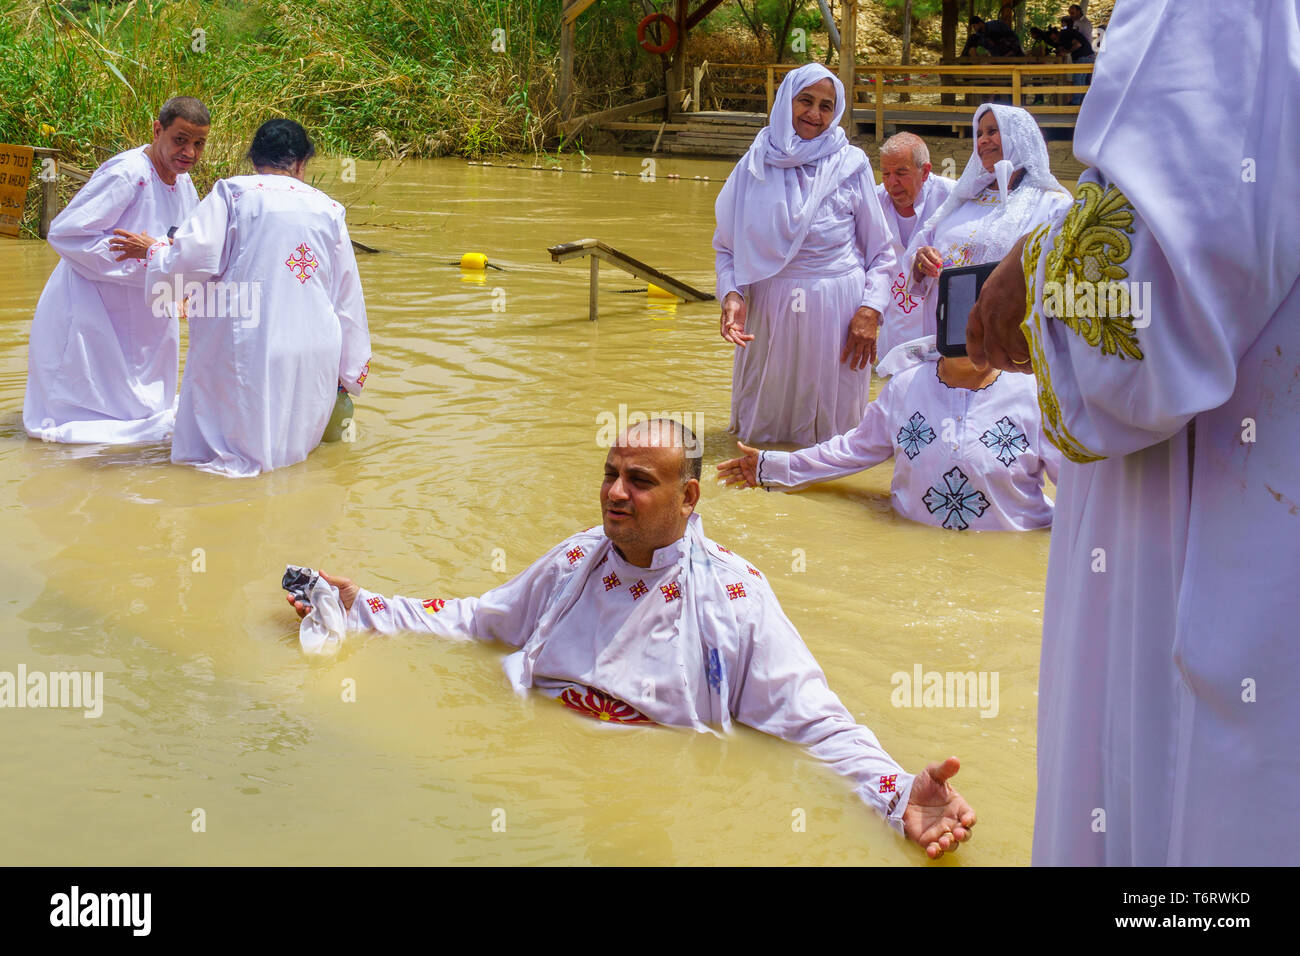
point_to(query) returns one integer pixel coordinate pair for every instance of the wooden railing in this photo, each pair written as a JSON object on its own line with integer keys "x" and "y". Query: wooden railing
{"x": 882, "y": 88}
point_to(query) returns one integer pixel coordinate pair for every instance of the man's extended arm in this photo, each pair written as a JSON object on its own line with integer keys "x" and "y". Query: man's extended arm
{"x": 508, "y": 613}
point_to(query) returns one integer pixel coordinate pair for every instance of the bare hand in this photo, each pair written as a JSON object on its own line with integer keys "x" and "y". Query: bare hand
{"x": 993, "y": 335}
{"x": 937, "y": 816}
{"x": 734, "y": 312}
{"x": 741, "y": 471}
{"x": 860, "y": 345}
{"x": 347, "y": 592}
{"x": 132, "y": 245}
{"x": 928, "y": 262}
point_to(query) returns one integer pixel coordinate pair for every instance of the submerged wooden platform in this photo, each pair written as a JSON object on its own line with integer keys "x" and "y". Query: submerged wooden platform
{"x": 598, "y": 250}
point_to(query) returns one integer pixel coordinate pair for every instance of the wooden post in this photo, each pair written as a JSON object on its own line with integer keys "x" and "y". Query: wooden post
{"x": 677, "y": 68}
{"x": 880, "y": 107}
{"x": 567, "y": 30}
{"x": 1015, "y": 85}
{"x": 771, "y": 90}
{"x": 591, "y": 305}
{"x": 907, "y": 48}
{"x": 49, "y": 201}
{"x": 848, "y": 58}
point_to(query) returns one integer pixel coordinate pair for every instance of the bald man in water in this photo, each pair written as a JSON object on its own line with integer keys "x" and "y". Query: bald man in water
{"x": 645, "y": 620}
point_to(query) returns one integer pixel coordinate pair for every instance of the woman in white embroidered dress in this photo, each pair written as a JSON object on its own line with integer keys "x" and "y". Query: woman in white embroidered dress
{"x": 1006, "y": 190}
{"x": 968, "y": 446}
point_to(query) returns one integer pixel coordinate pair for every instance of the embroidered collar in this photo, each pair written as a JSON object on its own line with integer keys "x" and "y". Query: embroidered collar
{"x": 958, "y": 388}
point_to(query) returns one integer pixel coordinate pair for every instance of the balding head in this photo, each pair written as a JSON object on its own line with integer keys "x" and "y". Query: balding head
{"x": 651, "y": 487}
{"x": 906, "y": 146}
{"x": 904, "y": 168}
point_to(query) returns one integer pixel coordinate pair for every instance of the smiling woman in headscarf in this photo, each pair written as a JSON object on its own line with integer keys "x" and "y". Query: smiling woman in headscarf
{"x": 1006, "y": 191}
{"x": 804, "y": 264}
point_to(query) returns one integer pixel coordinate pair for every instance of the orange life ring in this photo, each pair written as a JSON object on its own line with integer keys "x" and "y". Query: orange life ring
{"x": 669, "y": 42}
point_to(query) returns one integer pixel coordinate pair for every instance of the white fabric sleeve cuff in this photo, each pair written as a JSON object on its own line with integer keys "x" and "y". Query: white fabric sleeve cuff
{"x": 774, "y": 469}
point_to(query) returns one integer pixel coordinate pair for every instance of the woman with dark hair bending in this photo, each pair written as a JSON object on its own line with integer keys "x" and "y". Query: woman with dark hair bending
{"x": 277, "y": 320}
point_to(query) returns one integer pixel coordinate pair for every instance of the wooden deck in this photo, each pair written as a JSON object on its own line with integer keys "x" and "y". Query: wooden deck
{"x": 886, "y": 98}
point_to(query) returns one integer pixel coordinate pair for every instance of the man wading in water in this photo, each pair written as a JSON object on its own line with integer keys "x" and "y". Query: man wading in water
{"x": 648, "y": 621}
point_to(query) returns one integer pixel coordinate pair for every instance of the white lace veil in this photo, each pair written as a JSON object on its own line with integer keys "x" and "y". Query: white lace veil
{"x": 1022, "y": 148}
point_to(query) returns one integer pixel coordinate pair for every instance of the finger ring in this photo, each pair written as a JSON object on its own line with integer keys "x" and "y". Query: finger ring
{"x": 1018, "y": 362}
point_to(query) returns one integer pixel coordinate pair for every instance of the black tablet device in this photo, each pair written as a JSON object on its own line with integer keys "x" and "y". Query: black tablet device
{"x": 958, "y": 290}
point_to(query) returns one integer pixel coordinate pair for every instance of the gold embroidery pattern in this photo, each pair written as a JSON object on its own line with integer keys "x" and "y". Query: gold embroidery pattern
{"x": 1053, "y": 421}
{"x": 1092, "y": 246}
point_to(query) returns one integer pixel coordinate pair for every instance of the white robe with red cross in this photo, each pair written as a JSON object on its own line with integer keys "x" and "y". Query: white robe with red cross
{"x": 277, "y": 323}
{"x": 695, "y": 640}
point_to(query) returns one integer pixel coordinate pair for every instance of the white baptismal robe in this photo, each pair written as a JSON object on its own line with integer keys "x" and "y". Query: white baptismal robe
{"x": 1171, "y": 579}
{"x": 963, "y": 459}
{"x": 694, "y": 640}
{"x": 789, "y": 384}
{"x": 102, "y": 362}
{"x": 903, "y": 302}
{"x": 1167, "y": 709}
{"x": 288, "y": 326}
{"x": 959, "y": 237}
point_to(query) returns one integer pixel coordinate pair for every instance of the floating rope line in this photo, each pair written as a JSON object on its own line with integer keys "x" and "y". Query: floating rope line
{"x": 595, "y": 172}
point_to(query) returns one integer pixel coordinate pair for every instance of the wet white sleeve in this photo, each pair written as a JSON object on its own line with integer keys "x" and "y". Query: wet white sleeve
{"x": 199, "y": 250}
{"x": 781, "y": 690}
{"x": 922, "y": 287}
{"x": 508, "y": 613}
{"x": 1112, "y": 385}
{"x": 867, "y": 445}
{"x": 80, "y": 233}
{"x": 877, "y": 245}
{"x": 350, "y": 307}
{"x": 724, "y": 241}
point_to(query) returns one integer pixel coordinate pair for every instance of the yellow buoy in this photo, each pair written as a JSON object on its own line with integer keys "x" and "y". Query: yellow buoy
{"x": 473, "y": 260}
{"x": 654, "y": 292}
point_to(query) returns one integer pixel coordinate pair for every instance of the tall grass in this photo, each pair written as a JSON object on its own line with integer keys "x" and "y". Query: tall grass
{"x": 368, "y": 78}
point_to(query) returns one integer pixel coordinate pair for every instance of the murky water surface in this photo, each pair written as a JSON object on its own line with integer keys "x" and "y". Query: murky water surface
{"x": 476, "y": 440}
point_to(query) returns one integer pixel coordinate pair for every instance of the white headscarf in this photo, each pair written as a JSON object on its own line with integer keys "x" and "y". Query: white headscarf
{"x": 1022, "y": 148}
{"x": 761, "y": 216}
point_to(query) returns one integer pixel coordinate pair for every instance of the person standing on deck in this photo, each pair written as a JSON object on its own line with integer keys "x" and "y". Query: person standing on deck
{"x": 102, "y": 365}
{"x": 1167, "y": 707}
{"x": 908, "y": 192}
{"x": 804, "y": 265}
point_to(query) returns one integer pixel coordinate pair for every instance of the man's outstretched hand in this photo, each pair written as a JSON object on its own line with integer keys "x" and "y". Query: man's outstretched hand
{"x": 347, "y": 592}
{"x": 937, "y": 816}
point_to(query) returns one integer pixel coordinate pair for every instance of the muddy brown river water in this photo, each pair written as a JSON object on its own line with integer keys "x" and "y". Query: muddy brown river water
{"x": 476, "y": 451}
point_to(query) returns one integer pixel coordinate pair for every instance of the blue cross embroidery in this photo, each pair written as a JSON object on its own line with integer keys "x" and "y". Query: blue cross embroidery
{"x": 915, "y": 434}
{"x": 715, "y": 671}
{"x": 1007, "y": 439}
{"x": 958, "y": 497}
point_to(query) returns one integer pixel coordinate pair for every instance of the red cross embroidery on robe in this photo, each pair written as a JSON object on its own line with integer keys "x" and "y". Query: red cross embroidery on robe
{"x": 574, "y": 556}
{"x": 736, "y": 590}
{"x": 361, "y": 379}
{"x": 611, "y": 581}
{"x": 887, "y": 783}
{"x": 376, "y": 604}
{"x": 754, "y": 572}
{"x": 433, "y": 605}
{"x": 722, "y": 549}
{"x": 601, "y": 706}
{"x": 671, "y": 592}
{"x": 906, "y": 301}
{"x": 637, "y": 590}
{"x": 303, "y": 264}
